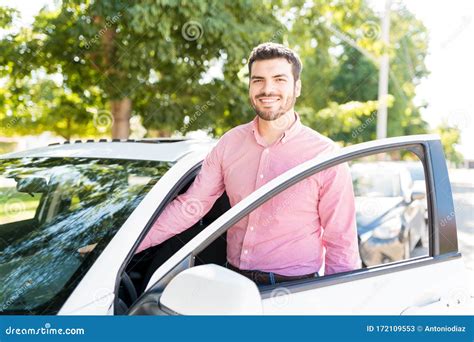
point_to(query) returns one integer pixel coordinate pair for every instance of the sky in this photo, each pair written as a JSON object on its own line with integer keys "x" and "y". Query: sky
{"x": 448, "y": 89}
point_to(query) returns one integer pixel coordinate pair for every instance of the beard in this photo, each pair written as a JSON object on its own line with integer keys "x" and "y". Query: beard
{"x": 273, "y": 114}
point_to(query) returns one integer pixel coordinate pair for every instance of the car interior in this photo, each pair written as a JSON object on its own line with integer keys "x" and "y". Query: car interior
{"x": 142, "y": 266}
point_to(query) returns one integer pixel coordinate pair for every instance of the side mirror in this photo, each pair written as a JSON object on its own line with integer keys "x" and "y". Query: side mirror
{"x": 211, "y": 290}
{"x": 418, "y": 195}
{"x": 32, "y": 184}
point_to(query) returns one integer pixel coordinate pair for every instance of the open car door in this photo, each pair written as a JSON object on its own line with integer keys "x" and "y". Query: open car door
{"x": 432, "y": 283}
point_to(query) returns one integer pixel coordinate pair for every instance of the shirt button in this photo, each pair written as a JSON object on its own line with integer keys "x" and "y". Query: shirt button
{"x": 251, "y": 228}
{"x": 246, "y": 251}
{"x": 261, "y": 176}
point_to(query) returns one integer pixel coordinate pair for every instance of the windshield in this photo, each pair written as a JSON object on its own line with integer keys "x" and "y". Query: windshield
{"x": 51, "y": 207}
{"x": 376, "y": 183}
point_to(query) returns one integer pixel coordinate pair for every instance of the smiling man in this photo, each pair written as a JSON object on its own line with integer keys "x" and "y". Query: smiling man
{"x": 306, "y": 226}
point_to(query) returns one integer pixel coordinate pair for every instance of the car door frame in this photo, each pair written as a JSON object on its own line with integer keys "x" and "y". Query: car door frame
{"x": 442, "y": 224}
{"x": 96, "y": 292}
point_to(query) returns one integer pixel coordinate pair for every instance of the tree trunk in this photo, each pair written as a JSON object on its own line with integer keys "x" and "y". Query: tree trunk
{"x": 121, "y": 110}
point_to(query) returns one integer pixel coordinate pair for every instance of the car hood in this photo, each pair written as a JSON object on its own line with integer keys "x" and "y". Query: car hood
{"x": 371, "y": 211}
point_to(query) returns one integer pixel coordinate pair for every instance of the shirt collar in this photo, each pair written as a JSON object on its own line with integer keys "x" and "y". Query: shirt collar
{"x": 288, "y": 134}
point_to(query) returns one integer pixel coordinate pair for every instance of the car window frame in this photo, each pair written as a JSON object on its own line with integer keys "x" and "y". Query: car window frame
{"x": 443, "y": 237}
{"x": 176, "y": 188}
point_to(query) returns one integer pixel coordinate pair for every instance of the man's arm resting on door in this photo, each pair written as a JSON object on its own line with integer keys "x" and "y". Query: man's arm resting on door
{"x": 188, "y": 208}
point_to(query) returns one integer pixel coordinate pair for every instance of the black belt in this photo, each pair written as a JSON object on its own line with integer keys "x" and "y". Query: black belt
{"x": 265, "y": 278}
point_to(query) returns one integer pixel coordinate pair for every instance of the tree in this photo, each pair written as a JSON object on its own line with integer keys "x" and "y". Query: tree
{"x": 450, "y": 138}
{"x": 339, "y": 43}
{"x": 183, "y": 67}
{"x": 150, "y": 58}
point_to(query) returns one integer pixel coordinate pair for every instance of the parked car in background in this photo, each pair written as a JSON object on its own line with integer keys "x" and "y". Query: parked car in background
{"x": 418, "y": 175}
{"x": 389, "y": 212}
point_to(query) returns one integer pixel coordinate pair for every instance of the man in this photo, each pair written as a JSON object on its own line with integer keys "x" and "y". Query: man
{"x": 285, "y": 238}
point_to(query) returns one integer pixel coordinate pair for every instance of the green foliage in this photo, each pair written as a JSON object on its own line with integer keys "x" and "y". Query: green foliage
{"x": 156, "y": 53}
{"x": 183, "y": 65}
{"x": 450, "y": 138}
{"x": 6, "y": 17}
{"x": 352, "y": 121}
{"x": 337, "y": 72}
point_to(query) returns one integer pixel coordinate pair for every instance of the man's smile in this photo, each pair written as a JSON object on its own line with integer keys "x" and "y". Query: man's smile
{"x": 269, "y": 100}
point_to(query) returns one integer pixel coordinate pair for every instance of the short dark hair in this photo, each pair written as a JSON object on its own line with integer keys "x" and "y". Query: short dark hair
{"x": 270, "y": 50}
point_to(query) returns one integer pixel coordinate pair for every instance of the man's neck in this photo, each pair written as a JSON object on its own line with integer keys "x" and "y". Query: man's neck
{"x": 273, "y": 130}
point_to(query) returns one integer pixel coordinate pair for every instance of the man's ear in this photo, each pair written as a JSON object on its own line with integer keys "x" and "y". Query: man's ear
{"x": 298, "y": 88}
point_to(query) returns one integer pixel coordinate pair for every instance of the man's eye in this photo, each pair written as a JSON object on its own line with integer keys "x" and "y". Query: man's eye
{"x": 257, "y": 81}
{"x": 281, "y": 80}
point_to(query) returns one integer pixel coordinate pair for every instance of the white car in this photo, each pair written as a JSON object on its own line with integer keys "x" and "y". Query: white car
{"x": 73, "y": 215}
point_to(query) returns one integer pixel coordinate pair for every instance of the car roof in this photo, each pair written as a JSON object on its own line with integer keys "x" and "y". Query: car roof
{"x": 169, "y": 150}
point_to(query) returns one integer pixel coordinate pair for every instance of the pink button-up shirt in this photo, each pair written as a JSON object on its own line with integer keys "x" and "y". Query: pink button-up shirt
{"x": 292, "y": 233}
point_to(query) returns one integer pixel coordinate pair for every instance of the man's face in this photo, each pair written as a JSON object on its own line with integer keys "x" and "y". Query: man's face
{"x": 272, "y": 88}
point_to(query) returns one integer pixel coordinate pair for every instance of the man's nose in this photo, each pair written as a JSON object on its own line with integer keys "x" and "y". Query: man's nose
{"x": 268, "y": 87}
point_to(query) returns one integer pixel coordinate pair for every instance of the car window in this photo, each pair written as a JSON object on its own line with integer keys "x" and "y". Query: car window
{"x": 373, "y": 183}
{"x": 391, "y": 213}
{"x": 50, "y": 208}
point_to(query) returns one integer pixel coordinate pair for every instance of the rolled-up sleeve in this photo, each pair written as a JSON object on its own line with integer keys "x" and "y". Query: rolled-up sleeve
{"x": 188, "y": 208}
{"x": 337, "y": 215}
